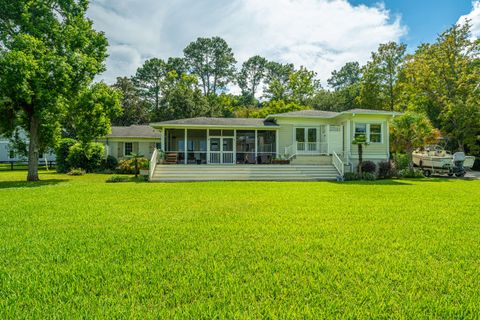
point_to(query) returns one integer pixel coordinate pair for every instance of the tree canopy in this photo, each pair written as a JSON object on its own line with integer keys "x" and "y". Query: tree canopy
{"x": 49, "y": 54}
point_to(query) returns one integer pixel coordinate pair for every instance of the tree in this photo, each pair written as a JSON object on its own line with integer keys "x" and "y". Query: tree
{"x": 410, "y": 131}
{"x": 440, "y": 80}
{"x": 348, "y": 75}
{"x": 277, "y": 80}
{"x": 134, "y": 109}
{"x": 360, "y": 141}
{"x": 149, "y": 80}
{"x": 272, "y": 107}
{"x": 250, "y": 77}
{"x": 183, "y": 98}
{"x": 89, "y": 116}
{"x": 212, "y": 60}
{"x": 378, "y": 86}
{"x": 346, "y": 85}
{"x": 302, "y": 85}
{"x": 49, "y": 54}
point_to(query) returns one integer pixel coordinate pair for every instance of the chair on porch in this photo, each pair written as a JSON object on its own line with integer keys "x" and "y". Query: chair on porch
{"x": 171, "y": 158}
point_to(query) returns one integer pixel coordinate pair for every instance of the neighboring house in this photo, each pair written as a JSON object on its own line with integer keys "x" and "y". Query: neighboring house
{"x": 8, "y": 154}
{"x": 123, "y": 141}
{"x": 307, "y": 137}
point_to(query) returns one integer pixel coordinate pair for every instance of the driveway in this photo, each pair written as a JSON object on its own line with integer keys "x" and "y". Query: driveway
{"x": 473, "y": 175}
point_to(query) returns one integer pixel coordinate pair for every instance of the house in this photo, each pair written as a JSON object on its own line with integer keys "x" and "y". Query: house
{"x": 8, "y": 154}
{"x": 123, "y": 141}
{"x": 312, "y": 140}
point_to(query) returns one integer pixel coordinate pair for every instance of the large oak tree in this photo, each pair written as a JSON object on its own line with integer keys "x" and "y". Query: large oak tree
{"x": 49, "y": 54}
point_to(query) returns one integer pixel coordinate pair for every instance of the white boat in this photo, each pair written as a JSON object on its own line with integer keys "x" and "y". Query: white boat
{"x": 434, "y": 159}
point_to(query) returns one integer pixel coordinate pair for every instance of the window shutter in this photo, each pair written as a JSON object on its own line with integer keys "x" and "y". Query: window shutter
{"x": 135, "y": 147}
{"x": 120, "y": 150}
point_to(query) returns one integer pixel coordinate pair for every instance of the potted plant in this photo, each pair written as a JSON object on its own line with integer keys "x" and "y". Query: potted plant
{"x": 281, "y": 160}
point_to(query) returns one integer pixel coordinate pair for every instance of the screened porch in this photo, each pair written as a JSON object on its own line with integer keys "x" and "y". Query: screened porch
{"x": 220, "y": 146}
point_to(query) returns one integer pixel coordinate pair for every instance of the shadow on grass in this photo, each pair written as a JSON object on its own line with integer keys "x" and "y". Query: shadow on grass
{"x": 25, "y": 184}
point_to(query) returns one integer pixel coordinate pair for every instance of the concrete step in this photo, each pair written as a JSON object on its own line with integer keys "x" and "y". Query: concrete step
{"x": 244, "y": 172}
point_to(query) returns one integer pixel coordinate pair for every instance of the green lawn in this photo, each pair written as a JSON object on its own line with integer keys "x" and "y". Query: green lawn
{"x": 73, "y": 247}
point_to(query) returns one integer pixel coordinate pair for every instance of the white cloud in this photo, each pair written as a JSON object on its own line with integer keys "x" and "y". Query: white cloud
{"x": 474, "y": 17}
{"x": 319, "y": 34}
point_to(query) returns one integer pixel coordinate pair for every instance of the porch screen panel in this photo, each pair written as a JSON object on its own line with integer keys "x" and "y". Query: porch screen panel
{"x": 266, "y": 144}
{"x": 196, "y": 146}
{"x": 245, "y": 146}
{"x": 175, "y": 143}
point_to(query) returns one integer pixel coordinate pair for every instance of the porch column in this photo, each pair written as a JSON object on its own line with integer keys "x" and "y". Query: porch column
{"x": 234, "y": 146}
{"x": 185, "y": 148}
{"x": 208, "y": 146}
{"x": 327, "y": 135}
{"x": 348, "y": 141}
{"x": 256, "y": 146}
{"x": 277, "y": 145}
{"x": 162, "y": 139}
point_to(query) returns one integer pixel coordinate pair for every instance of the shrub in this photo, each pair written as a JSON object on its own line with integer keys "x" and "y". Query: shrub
{"x": 86, "y": 156}
{"x": 128, "y": 165}
{"x": 61, "y": 153}
{"x": 386, "y": 170}
{"x": 410, "y": 173}
{"x": 401, "y": 161}
{"x": 368, "y": 167}
{"x": 110, "y": 163}
{"x": 113, "y": 179}
{"x": 351, "y": 176}
{"x": 369, "y": 176}
{"x": 76, "y": 172}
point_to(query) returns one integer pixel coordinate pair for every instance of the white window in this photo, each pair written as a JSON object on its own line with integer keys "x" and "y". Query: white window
{"x": 128, "y": 148}
{"x": 371, "y": 131}
{"x": 360, "y": 129}
{"x": 375, "y": 133}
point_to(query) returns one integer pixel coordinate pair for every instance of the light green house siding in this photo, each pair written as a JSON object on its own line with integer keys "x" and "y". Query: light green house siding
{"x": 116, "y": 147}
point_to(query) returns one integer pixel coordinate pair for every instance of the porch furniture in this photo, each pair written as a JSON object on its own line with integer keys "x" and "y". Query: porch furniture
{"x": 171, "y": 158}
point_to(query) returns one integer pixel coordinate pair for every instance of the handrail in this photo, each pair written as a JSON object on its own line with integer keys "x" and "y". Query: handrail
{"x": 338, "y": 163}
{"x": 290, "y": 151}
{"x": 152, "y": 164}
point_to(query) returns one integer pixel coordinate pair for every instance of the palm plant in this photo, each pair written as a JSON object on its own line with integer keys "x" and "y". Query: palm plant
{"x": 360, "y": 140}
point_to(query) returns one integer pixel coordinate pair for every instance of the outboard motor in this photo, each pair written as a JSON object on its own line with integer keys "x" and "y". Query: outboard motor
{"x": 458, "y": 159}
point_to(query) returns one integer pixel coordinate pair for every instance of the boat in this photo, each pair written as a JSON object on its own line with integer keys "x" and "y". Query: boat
{"x": 435, "y": 159}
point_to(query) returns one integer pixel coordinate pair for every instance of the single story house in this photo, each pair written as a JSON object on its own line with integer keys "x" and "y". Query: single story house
{"x": 123, "y": 141}
{"x": 307, "y": 137}
{"x": 8, "y": 154}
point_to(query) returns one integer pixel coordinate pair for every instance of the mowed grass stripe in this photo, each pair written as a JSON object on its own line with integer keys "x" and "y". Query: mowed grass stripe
{"x": 79, "y": 247}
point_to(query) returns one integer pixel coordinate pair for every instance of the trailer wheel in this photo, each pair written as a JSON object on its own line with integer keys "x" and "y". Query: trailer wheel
{"x": 450, "y": 174}
{"x": 427, "y": 173}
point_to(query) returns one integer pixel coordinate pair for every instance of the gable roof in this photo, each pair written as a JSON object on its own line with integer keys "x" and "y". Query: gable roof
{"x": 307, "y": 113}
{"x": 220, "y": 122}
{"x": 329, "y": 114}
{"x": 134, "y": 131}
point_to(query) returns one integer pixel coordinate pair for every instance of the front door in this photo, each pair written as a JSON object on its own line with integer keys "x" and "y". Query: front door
{"x": 221, "y": 150}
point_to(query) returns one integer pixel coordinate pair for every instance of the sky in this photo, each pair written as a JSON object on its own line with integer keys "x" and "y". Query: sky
{"x": 321, "y": 35}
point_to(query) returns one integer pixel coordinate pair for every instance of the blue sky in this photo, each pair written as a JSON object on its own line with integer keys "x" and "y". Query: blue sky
{"x": 321, "y": 35}
{"x": 425, "y": 19}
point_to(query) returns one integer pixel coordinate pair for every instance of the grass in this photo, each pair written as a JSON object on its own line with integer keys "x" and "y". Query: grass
{"x": 77, "y": 247}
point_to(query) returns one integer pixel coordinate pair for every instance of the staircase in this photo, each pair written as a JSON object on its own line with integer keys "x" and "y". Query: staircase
{"x": 244, "y": 172}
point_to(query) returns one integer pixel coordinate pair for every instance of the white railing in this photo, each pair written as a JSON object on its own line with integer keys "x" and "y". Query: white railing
{"x": 338, "y": 163}
{"x": 152, "y": 164}
{"x": 290, "y": 151}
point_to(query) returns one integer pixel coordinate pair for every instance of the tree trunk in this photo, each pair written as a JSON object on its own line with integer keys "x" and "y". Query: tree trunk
{"x": 360, "y": 157}
{"x": 33, "y": 148}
